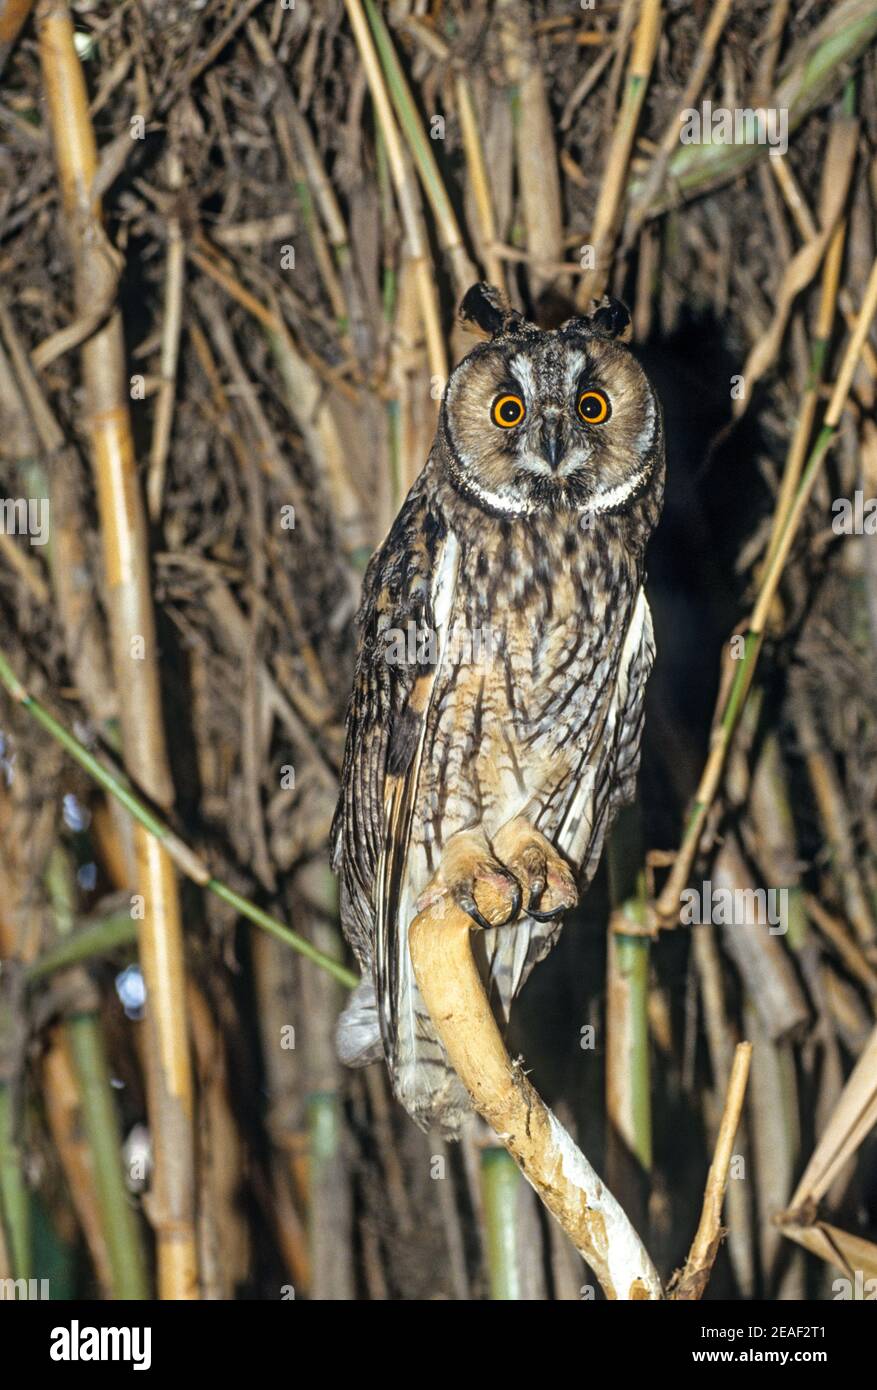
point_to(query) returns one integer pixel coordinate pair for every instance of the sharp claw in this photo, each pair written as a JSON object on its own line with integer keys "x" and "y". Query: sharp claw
{"x": 547, "y": 916}
{"x": 516, "y": 904}
{"x": 537, "y": 888}
{"x": 469, "y": 906}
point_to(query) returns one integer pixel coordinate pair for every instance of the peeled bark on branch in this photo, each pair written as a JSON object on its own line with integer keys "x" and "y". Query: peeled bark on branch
{"x": 561, "y": 1175}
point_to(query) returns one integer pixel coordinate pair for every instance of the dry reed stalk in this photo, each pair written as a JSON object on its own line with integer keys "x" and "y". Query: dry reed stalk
{"x": 850, "y": 1122}
{"x": 20, "y": 447}
{"x": 763, "y": 964}
{"x": 449, "y": 234}
{"x": 815, "y": 68}
{"x": 274, "y": 978}
{"x": 808, "y": 229}
{"x": 654, "y": 179}
{"x": 381, "y": 1107}
{"x": 171, "y": 329}
{"x": 134, "y": 652}
{"x": 729, "y": 709}
{"x": 720, "y": 1045}
{"x": 806, "y": 418}
{"x": 775, "y": 1136}
{"x": 868, "y": 470}
{"x": 774, "y": 834}
{"x": 223, "y": 1237}
{"x": 855, "y": 1256}
{"x": 307, "y": 177}
{"x": 694, "y": 1277}
{"x": 479, "y": 181}
{"x": 830, "y": 800}
{"x": 535, "y": 148}
{"x": 840, "y": 156}
{"x": 407, "y": 193}
{"x": 80, "y": 621}
{"x": 563, "y": 1178}
{"x": 200, "y": 257}
{"x": 849, "y": 952}
{"x": 192, "y": 72}
{"x": 261, "y": 445}
{"x": 770, "y": 51}
{"x": 330, "y": 425}
{"x": 411, "y": 421}
{"x": 613, "y": 187}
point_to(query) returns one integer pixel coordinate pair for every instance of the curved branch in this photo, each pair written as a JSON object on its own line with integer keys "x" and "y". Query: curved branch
{"x": 561, "y": 1175}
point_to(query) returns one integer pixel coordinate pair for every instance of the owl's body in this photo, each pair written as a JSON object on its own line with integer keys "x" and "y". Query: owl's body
{"x": 505, "y": 641}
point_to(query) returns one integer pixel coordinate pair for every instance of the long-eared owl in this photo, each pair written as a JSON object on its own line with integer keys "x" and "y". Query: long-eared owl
{"x": 504, "y": 645}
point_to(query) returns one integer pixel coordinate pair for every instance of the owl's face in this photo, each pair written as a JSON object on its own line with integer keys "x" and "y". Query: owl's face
{"x": 552, "y": 421}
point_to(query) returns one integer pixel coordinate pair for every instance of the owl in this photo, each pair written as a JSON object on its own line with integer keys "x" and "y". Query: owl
{"x": 504, "y": 646}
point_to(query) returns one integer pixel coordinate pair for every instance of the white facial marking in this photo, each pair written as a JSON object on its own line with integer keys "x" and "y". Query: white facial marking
{"x": 498, "y": 501}
{"x": 522, "y": 371}
{"x": 607, "y": 498}
{"x": 575, "y": 365}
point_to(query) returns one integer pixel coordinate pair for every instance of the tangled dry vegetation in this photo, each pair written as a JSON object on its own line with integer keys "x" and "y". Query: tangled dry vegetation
{"x": 232, "y": 241}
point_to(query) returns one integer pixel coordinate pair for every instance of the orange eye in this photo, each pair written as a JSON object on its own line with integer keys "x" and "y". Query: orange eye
{"x": 593, "y": 407}
{"x": 507, "y": 411}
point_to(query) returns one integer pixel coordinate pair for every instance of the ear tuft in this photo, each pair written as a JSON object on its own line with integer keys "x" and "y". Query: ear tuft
{"x": 608, "y": 319}
{"x": 484, "y": 305}
{"x": 611, "y": 319}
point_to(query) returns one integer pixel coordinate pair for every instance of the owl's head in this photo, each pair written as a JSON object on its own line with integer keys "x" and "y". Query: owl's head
{"x": 549, "y": 421}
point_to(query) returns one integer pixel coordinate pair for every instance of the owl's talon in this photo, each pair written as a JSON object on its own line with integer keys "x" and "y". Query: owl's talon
{"x": 485, "y": 889}
{"x": 504, "y": 891}
{"x": 467, "y": 902}
{"x": 537, "y": 888}
{"x": 547, "y": 916}
{"x": 551, "y": 887}
{"x": 516, "y": 903}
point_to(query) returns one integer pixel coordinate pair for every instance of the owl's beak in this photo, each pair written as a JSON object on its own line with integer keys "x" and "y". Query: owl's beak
{"x": 553, "y": 444}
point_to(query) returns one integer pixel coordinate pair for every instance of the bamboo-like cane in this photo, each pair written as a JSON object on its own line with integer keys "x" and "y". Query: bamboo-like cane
{"x": 561, "y": 1175}
{"x": 628, "y": 1071}
{"x": 84, "y": 1036}
{"x": 15, "y": 1210}
{"x": 501, "y": 1185}
{"x": 135, "y": 664}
